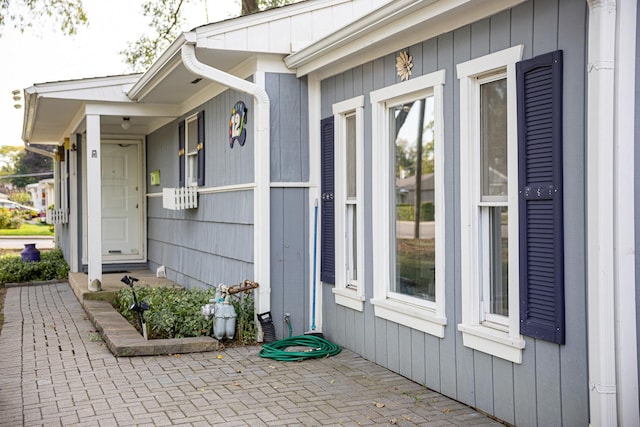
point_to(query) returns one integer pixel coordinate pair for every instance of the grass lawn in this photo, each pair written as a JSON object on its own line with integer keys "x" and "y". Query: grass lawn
{"x": 28, "y": 229}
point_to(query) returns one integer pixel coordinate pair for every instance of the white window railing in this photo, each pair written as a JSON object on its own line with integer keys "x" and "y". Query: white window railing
{"x": 57, "y": 216}
{"x": 180, "y": 198}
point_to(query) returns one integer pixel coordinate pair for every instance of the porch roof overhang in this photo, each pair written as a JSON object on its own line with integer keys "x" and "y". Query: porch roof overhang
{"x": 394, "y": 26}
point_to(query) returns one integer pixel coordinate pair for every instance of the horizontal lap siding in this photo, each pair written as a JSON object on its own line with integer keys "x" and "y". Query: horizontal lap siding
{"x": 213, "y": 243}
{"x": 550, "y": 387}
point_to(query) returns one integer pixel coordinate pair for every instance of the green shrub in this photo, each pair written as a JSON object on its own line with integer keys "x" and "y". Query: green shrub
{"x": 24, "y": 198}
{"x": 175, "y": 312}
{"x": 10, "y": 219}
{"x": 405, "y": 212}
{"x": 245, "y": 323}
{"x": 51, "y": 266}
{"x": 426, "y": 211}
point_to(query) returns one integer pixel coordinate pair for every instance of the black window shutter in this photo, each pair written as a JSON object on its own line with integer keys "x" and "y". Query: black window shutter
{"x": 181, "y": 154}
{"x": 201, "y": 148}
{"x": 327, "y": 239}
{"x": 539, "y": 82}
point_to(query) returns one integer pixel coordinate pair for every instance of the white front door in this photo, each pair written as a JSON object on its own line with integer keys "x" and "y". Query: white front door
{"x": 122, "y": 209}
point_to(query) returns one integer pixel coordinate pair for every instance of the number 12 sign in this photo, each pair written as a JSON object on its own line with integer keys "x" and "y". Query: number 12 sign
{"x": 237, "y": 123}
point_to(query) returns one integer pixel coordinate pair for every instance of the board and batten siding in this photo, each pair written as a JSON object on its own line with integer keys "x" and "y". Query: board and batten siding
{"x": 214, "y": 243}
{"x": 550, "y": 386}
{"x": 290, "y": 211}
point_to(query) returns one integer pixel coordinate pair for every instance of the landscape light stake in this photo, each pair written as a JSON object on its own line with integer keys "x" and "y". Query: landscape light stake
{"x": 138, "y": 307}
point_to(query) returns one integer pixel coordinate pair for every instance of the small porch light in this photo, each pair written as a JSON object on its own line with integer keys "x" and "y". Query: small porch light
{"x": 126, "y": 123}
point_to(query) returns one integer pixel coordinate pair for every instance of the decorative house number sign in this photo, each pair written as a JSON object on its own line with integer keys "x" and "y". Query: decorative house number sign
{"x": 237, "y": 122}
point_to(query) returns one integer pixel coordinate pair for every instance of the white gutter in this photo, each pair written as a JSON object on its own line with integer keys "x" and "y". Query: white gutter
{"x": 40, "y": 151}
{"x": 262, "y": 203}
{"x": 601, "y": 275}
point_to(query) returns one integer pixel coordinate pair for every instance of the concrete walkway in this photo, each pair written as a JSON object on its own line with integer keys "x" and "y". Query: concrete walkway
{"x": 55, "y": 370}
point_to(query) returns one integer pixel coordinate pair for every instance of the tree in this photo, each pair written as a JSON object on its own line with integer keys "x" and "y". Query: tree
{"x": 8, "y": 157}
{"x": 68, "y": 14}
{"x": 28, "y": 163}
{"x": 166, "y": 23}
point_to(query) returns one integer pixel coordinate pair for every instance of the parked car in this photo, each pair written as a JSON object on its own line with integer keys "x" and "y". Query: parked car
{"x": 13, "y": 206}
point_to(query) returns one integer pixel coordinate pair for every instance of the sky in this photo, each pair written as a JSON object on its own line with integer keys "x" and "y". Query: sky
{"x": 45, "y": 55}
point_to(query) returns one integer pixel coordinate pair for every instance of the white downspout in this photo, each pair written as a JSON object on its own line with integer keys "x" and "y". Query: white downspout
{"x": 624, "y": 155}
{"x": 601, "y": 213}
{"x": 262, "y": 199}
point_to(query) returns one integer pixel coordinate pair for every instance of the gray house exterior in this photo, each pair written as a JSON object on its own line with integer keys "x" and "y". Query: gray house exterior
{"x": 287, "y": 127}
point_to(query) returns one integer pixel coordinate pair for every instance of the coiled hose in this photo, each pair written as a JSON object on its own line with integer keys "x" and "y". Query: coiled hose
{"x": 317, "y": 348}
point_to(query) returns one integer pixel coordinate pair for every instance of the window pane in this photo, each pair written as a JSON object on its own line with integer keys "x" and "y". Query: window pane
{"x": 351, "y": 156}
{"x": 499, "y": 249}
{"x": 412, "y": 132}
{"x": 192, "y": 136}
{"x": 493, "y": 137}
{"x": 351, "y": 224}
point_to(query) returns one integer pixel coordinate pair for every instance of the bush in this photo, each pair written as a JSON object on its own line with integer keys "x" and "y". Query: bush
{"x": 426, "y": 211}
{"x": 405, "y": 212}
{"x": 10, "y": 219}
{"x": 51, "y": 266}
{"x": 175, "y": 312}
{"x": 24, "y": 198}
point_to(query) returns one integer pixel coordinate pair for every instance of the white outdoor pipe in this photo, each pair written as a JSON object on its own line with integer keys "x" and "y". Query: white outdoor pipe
{"x": 261, "y": 223}
{"x": 600, "y": 213}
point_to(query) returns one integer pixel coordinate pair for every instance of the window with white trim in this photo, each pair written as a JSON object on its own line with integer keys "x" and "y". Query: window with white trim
{"x": 191, "y": 150}
{"x": 489, "y": 204}
{"x": 191, "y": 161}
{"x": 349, "y": 187}
{"x": 408, "y": 203}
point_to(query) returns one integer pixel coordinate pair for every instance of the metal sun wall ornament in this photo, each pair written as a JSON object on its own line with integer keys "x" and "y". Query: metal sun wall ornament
{"x": 404, "y": 64}
{"x": 237, "y": 123}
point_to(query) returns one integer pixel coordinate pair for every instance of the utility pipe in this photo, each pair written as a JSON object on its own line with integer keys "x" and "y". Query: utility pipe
{"x": 262, "y": 204}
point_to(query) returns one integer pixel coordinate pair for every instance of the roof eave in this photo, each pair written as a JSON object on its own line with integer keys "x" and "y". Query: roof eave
{"x": 169, "y": 59}
{"x": 433, "y": 17}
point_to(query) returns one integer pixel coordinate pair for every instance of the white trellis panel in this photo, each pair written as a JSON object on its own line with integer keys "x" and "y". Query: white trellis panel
{"x": 180, "y": 198}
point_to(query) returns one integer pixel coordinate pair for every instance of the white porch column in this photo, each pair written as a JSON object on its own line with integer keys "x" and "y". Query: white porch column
{"x": 94, "y": 204}
{"x": 74, "y": 208}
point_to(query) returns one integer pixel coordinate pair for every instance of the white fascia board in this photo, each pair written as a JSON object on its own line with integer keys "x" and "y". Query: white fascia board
{"x": 132, "y": 109}
{"x": 69, "y": 86}
{"x": 264, "y": 17}
{"x": 168, "y": 61}
{"x": 392, "y": 27}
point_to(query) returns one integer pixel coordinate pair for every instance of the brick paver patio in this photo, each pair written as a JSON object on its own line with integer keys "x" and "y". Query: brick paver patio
{"x": 55, "y": 370}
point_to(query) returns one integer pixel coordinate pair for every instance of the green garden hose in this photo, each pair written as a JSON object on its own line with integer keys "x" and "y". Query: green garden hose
{"x": 317, "y": 348}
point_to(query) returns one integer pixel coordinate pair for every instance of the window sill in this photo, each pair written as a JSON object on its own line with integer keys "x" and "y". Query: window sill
{"x": 413, "y": 316}
{"x": 492, "y": 341}
{"x": 349, "y": 298}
